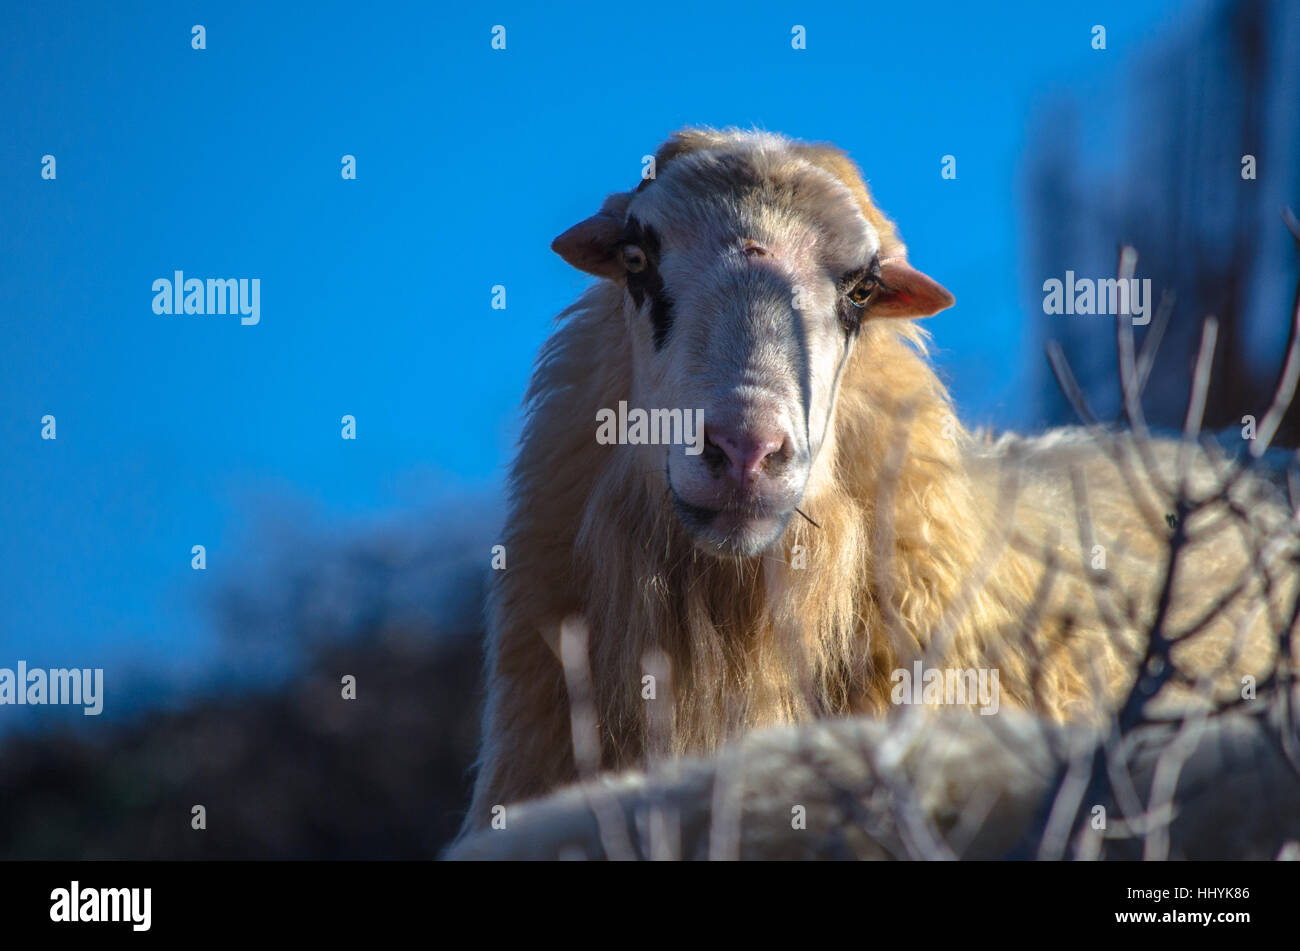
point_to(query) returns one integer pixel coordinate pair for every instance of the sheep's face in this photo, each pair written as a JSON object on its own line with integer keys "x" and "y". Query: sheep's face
{"x": 747, "y": 273}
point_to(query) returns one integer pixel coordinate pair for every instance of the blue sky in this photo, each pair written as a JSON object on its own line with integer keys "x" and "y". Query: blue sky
{"x": 175, "y": 431}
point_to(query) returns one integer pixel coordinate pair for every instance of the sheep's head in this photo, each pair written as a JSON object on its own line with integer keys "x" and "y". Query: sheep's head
{"x": 749, "y": 266}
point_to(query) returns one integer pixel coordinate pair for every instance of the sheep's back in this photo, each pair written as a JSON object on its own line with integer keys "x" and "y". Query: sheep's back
{"x": 1099, "y": 510}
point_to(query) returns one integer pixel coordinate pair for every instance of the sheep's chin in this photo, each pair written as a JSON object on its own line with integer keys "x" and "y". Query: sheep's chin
{"x": 730, "y": 533}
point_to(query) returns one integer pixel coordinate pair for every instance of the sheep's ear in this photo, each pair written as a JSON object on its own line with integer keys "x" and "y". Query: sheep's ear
{"x": 592, "y": 245}
{"x": 910, "y": 293}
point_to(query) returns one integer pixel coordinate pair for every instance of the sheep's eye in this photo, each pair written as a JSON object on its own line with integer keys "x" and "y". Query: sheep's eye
{"x": 861, "y": 293}
{"x": 633, "y": 259}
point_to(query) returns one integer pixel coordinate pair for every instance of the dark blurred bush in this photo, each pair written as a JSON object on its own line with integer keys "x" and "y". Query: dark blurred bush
{"x": 292, "y": 772}
{"x": 1156, "y": 158}
{"x": 286, "y": 768}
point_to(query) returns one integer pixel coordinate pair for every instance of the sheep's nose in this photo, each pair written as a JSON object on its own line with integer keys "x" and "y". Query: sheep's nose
{"x": 745, "y": 454}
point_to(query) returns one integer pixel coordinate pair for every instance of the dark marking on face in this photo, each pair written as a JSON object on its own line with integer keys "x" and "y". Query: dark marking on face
{"x": 852, "y": 314}
{"x": 648, "y": 283}
{"x": 661, "y": 318}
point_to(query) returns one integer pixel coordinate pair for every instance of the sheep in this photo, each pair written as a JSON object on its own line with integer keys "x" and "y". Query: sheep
{"x": 838, "y": 524}
{"x": 962, "y": 790}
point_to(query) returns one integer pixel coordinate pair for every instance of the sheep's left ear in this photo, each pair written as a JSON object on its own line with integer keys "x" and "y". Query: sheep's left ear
{"x": 908, "y": 293}
{"x": 592, "y": 244}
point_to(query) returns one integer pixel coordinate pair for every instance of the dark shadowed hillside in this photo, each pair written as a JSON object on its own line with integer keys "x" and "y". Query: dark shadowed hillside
{"x": 286, "y": 767}
{"x": 295, "y": 772}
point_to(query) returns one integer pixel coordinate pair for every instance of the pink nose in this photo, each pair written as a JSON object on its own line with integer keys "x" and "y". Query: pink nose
{"x": 749, "y": 453}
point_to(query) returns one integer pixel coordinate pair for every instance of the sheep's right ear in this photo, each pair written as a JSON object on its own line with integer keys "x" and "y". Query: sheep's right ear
{"x": 911, "y": 293}
{"x": 592, "y": 245}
